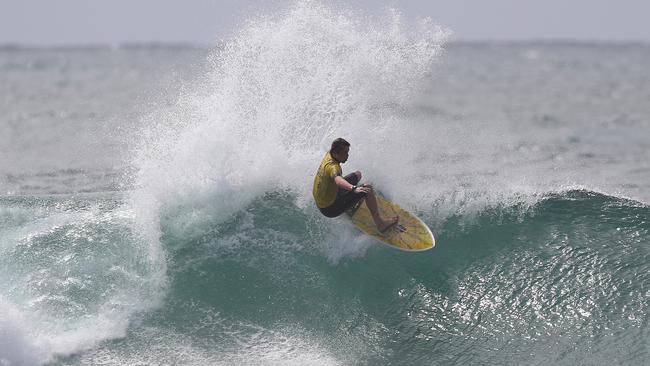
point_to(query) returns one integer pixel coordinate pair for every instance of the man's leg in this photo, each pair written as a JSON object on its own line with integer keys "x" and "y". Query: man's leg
{"x": 353, "y": 178}
{"x": 381, "y": 223}
{"x": 371, "y": 201}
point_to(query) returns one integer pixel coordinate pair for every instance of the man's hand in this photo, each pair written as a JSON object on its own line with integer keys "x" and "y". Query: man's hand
{"x": 366, "y": 188}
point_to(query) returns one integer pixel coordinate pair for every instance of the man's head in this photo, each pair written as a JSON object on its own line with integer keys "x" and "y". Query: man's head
{"x": 340, "y": 149}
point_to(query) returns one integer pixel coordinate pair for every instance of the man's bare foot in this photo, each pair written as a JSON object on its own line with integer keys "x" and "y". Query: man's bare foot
{"x": 387, "y": 224}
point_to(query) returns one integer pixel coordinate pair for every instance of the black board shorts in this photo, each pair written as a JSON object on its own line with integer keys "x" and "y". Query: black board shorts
{"x": 345, "y": 200}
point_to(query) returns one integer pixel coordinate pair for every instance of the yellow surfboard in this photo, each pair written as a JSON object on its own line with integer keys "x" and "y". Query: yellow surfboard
{"x": 410, "y": 234}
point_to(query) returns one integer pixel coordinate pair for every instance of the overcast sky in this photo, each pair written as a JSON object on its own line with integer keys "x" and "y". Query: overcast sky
{"x": 61, "y": 22}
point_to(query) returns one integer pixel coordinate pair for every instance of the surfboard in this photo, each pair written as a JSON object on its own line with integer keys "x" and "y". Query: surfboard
{"x": 410, "y": 234}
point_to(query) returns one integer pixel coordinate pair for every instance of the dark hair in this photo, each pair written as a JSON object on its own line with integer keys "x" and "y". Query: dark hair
{"x": 338, "y": 145}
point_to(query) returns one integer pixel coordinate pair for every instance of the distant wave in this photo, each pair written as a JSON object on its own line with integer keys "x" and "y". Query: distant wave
{"x": 8, "y": 47}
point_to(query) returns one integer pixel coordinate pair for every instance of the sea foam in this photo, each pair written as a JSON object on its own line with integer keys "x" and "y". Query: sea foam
{"x": 276, "y": 95}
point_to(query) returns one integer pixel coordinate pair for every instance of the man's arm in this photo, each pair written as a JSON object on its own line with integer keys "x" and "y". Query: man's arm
{"x": 342, "y": 183}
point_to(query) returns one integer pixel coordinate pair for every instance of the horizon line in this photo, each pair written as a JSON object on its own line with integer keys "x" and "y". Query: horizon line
{"x": 202, "y": 45}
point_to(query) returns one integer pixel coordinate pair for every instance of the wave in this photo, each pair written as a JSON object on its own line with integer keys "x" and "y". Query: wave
{"x": 73, "y": 273}
{"x": 569, "y": 268}
{"x": 282, "y": 212}
{"x": 275, "y": 281}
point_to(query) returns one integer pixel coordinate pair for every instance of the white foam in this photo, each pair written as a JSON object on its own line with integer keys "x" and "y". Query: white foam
{"x": 254, "y": 346}
{"x": 40, "y": 317}
{"x": 280, "y": 90}
{"x": 345, "y": 241}
{"x": 16, "y": 348}
{"x": 285, "y": 85}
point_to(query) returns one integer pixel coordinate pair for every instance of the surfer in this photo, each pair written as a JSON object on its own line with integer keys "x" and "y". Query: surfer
{"x": 335, "y": 194}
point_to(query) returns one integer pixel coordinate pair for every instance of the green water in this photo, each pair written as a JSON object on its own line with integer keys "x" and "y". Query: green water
{"x": 563, "y": 281}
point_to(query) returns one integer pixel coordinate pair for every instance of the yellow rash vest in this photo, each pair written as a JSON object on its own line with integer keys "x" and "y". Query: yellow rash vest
{"x": 325, "y": 188}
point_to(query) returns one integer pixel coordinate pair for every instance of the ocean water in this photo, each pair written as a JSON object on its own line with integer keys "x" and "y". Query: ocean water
{"x": 155, "y": 201}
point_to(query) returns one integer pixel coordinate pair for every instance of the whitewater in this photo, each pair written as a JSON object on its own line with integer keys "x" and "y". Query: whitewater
{"x": 155, "y": 201}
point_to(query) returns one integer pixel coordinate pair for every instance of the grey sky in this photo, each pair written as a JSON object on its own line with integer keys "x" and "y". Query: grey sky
{"x": 49, "y": 22}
